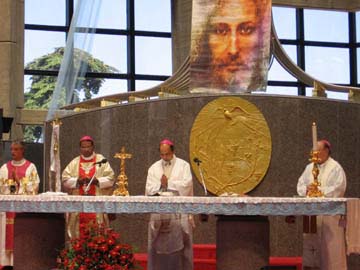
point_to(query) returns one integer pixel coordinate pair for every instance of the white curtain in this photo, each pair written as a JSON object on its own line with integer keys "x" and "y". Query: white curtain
{"x": 73, "y": 69}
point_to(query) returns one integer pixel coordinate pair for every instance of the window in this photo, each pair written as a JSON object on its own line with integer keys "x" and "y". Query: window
{"x": 329, "y": 94}
{"x": 112, "y": 86}
{"x": 285, "y": 30}
{"x": 331, "y": 26}
{"x": 37, "y": 12}
{"x": 112, "y": 14}
{"x": 282, "y": 90}
{"x": 142, "y": 85}
{"x": 154, "y": 15}
{"x": 358, "y": 26}
{"x": 322, "y": 44}
{"x": 152, "y": 55}
{"x": 40, "y": 43}
{"x": 328, "y": 64}
{"x": 129, "y": 36}
{"x": 358, "y": 65}
{"x": 111, "y": 49}
{"x": 277, "y": 72}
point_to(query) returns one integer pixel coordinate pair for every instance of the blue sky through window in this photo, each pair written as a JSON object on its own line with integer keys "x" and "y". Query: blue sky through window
{"x": 153, "y": 55}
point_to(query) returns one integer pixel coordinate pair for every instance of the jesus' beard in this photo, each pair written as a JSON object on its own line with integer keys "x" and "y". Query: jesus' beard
{"x": 233, "y": 77}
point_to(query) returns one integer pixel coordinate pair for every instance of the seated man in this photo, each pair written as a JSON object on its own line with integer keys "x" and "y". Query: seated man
{"x": 22, "y": 178}
{"x": 170, "y": 235}
{"x": 76, "y": 179}
{"x": 325, "y": 249}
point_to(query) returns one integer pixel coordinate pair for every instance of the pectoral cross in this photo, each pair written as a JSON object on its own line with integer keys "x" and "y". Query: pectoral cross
{"x": 122, "y": 182}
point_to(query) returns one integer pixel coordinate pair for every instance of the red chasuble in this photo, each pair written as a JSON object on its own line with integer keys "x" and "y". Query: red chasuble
{"x": 87, "y": 169}
{"x": 20, "y": 172}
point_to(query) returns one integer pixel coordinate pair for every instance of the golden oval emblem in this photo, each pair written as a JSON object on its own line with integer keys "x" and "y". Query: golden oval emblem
{"x": 232, "y": 140}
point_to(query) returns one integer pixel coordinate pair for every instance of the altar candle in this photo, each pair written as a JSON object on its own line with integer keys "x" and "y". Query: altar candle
{"x": 314, "y": 136}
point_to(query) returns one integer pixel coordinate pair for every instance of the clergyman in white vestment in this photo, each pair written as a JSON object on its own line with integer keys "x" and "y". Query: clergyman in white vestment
{"x": 325, "y": 250}
{"x": 27, "y": 180}
{"x": 170, "y": 235}
{"x": 76, "y": 178}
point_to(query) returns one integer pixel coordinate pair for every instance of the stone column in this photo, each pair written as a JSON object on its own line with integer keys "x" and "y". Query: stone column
{"x": 12, "y": 60}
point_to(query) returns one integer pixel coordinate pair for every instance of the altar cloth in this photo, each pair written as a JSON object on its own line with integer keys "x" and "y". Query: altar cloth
{"x": 266, "y": 206}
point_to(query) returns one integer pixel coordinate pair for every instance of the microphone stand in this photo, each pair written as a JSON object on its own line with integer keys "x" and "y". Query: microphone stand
{"x": 203, "y": 217}
{"x": 86, "y": 190}
{"x": 197, "y": 161}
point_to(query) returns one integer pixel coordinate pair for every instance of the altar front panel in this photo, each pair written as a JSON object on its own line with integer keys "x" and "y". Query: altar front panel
{"x": 139, "y": 205}
{"x": 37, "y": 240}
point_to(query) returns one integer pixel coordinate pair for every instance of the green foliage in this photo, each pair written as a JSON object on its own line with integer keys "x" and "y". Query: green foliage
{"x": 42, "y": 87}
{"x": 32, "y": 133}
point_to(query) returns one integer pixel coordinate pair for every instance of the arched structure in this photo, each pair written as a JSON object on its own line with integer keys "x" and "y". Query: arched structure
{"x": 178, "y": 83}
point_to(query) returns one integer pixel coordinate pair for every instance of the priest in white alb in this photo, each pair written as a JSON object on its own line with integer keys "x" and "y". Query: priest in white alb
{"x": 26, "y": 181}
{"x": 325, "y": 249}
{"x": 88, "y": 174}
{"x": 170, "y": 235}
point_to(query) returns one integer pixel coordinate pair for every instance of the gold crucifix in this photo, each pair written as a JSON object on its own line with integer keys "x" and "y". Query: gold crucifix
{"x": 122, "y": 180}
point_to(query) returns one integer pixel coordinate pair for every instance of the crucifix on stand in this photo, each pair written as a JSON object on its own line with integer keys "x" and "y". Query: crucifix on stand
{"x": 122, "y": 180}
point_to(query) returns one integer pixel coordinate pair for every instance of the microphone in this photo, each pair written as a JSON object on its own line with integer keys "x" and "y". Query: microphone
{"x": 104, "y": 160}
{"x": 197, "y": 161}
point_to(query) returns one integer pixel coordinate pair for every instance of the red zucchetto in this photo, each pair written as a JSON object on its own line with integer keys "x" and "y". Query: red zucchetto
{"x": 167, "y": 141}
{"x": 86, "y": 138}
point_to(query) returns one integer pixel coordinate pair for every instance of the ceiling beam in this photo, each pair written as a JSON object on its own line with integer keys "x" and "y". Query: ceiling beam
{"x": 31, "y": 116}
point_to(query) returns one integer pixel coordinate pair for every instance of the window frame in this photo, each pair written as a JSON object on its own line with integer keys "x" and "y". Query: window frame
{"x": 130, "y": 34}
{"x": 301, "y": 43}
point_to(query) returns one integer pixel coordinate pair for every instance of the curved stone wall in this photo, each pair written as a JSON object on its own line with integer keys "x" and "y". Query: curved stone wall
{"x": 140, "y": 126}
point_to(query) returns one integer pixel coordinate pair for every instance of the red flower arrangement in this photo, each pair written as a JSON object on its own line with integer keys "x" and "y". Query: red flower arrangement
{"x": 98, "y": 247}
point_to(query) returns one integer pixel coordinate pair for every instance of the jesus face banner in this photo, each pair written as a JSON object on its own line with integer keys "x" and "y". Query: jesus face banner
{"x": 230, "y": 43}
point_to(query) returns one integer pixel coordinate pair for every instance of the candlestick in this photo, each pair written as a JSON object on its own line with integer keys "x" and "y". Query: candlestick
{"x": 313, "y": 189}
{"x": 314, "y": 136}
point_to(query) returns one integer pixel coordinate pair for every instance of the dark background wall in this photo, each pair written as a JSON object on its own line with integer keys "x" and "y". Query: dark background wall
{"x": 140, "y": 126}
